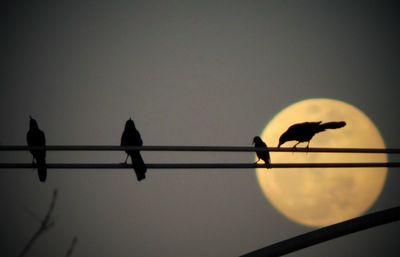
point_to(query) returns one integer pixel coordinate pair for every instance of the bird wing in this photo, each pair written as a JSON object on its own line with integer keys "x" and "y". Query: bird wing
{"x": 138, "y": 139}
{"x": 35, "y": 138}
{"x": 124, "y": 139}
{"x": 41, "y": 138}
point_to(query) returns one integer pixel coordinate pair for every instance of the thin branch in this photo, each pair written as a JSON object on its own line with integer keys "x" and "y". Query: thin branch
{"x": 203, "y": 165}
{"x": 33, "y": 215}
{"x": 46, "y": 224}
{"x": 328, "y": 233}
{"x": 72, "y": 246}
{"x": 197, "y": 149}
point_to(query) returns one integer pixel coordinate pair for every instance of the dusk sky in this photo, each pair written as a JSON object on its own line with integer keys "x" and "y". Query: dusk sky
{"x": 188, "y": 73}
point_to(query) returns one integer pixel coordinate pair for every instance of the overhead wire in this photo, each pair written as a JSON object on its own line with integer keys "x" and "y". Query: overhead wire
{"x": 95, "y": 148}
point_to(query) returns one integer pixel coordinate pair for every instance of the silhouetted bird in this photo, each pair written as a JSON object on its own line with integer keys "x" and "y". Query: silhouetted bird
{"x": 304, "y": 132}
{"x": 35, "y": 137}
{"x": 131, "y": 137}
{"x": 261, "y": 155}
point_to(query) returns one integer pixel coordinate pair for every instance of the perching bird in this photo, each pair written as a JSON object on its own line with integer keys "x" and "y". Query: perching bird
{"x": 35, "y": 137}
{"x": 304, "y": 132}
{"x": 131, "y": 137}
{"x": 261, "y": 155}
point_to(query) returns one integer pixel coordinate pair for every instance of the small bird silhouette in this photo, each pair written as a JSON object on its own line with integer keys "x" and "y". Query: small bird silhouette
{"x": 304, "y": 132}
{"x": 35, "y": 137}
{"x": 131, "y": 137}
{"x": 262, "y": 155}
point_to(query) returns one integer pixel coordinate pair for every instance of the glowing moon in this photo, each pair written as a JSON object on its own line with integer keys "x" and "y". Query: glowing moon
{"x": 320, "y": 197}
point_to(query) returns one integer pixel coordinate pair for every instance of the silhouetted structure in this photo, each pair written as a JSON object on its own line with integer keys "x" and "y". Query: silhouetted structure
{"x": 328, "y": 233}
{"x": 35, "y": 137}
{"x": 304, "y": 132}
{"x": 262, "y": 155}
{"x": 131, "y": 137}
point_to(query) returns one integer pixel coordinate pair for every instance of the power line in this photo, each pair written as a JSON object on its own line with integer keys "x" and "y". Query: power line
{"x": 201, "y": 165}
{"x": 198, "y": 149}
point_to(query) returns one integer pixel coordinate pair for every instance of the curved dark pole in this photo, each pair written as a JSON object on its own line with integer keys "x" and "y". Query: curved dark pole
{"x": 328, "y": 233}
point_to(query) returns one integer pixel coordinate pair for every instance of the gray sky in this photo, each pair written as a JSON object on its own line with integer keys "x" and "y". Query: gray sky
{"x": 188, "y": 73}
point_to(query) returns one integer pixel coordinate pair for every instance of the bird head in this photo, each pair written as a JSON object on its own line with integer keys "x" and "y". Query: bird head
{"x": 32, "y": 123}
{"x": 283, "y": 139}
{"x": 129, "y": 124}
{"x": 256, "y": 140}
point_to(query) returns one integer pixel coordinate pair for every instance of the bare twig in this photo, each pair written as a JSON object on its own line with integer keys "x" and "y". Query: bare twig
{"x": 72, "y": 246}
{"x": 45, "y": 225}
{"x": 33, "y": 215}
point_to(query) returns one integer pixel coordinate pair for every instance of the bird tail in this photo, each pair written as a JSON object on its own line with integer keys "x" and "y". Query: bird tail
{"x": 138, "y": 166}
{"x": 332, "y": 125}
{"x": 42, "y": 169}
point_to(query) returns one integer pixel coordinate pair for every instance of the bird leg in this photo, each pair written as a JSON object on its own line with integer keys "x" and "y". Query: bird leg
{"x": 126, "y": 159}
{"x": 294, "y": 147}
{"x": 257, "y": 160}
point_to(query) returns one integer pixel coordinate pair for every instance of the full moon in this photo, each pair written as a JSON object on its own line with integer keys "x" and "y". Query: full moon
{"x": 321, "y": 197}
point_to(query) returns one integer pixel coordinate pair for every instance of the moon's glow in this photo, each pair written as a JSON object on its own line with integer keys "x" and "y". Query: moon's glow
{"x": 320, "y": 197}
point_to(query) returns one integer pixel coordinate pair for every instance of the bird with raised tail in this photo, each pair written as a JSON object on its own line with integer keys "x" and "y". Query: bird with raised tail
{"x": 304, "y": 132}
{"x": 262, "y": 154}
{"x": 131, "y": 137}
{"x": 36, "y": 137}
